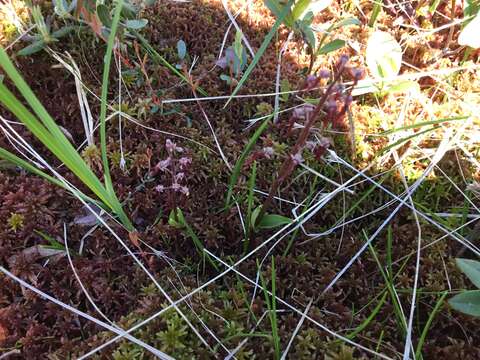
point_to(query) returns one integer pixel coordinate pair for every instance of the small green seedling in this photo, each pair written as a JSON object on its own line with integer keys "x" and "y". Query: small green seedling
{"x": 300, "y": 20}
{"x": 44, "y": 36}
{"x": 468, "y": 301}
{"x": 234, "y": 61}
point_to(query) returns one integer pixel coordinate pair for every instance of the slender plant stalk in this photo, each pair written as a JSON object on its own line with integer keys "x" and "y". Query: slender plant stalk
{"x": 289, "y": 165}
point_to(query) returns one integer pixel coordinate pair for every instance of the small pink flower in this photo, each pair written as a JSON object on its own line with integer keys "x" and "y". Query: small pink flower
{"x": 303, "y": 111}
{"x": 179, "y": 176}
{"x": 268, "y": 152}
{"x": 176, "y": 186}
{"x": 170, "y": 145}
{"x": 184, "y": 190}
{"x": 184, "y": 161}
{"x": 164, "y": 164}
{"x": 160, "y": 188}
{"x": 297, "y": 158}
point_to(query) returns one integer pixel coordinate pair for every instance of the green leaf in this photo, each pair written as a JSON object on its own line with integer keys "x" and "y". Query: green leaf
{"x": 104, "y": 15}
{"x": 384, "y": 55}
{"x": 331, "y": 46}
{"x": 63, "y": 31}
{"x": 404, "y": 87}
{"x": 310, "y": 36}
{"x": 319, "y": 5}
{"x": 469, "y": 35}
{"x": 471, "y": 269}
{"x": 237, "y": 45}
{"x": 270, "y": 221}
{"x": 136, "y": 24}
{"x": 300, "y": 8}
{"x": 181, "y": 49}
{"x": 32, "y": 48}
{"x": 346, "y": 22}
{"x": 467, "y": 302}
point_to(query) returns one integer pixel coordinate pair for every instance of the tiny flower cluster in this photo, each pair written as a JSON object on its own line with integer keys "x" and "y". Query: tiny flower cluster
{"x": 334, "y": 103}
{"x": 175, "y": 165}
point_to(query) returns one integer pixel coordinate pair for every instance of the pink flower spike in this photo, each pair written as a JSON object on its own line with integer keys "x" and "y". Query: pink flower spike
{"x": 297, "y": 158}
{"x": 160, "y": 188}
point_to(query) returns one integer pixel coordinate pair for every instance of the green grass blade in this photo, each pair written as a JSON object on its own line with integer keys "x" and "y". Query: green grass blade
{"x": 117, "y": 207}
{"x": 196, "y": 241}
{"x": 424, "y": 123}
{"x": 436, "y": 309}
{"x": 250, "y": 199}
{"x": 263, "y": 47}
{"x": 375, "y": 12}
{"x": 367, "y": 321}
{"x": 103, "y": 104}
{"x": 238, "y": 166}
{"x": 74, "y": 163}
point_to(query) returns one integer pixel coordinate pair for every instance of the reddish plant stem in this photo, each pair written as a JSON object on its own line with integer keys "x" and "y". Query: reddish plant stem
{"x": 289, "y": 164}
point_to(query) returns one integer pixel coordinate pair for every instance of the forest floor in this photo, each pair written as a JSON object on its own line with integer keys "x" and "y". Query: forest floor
{"x": 337, "y": 282}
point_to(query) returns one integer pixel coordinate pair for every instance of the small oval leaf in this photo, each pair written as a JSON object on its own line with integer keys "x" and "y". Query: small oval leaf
{"x": 181, "y": 49}
{"x": 331, "y": 46}
{"x": 467, "y": 302}
{"x": 471, "y": 269}
{"x": 270, "y": 221}
{"x": 136, "y": 24}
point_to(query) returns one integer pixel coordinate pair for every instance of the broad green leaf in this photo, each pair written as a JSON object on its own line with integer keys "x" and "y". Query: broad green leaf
{"x": 181, "y": 49}
{"x": 32, "y": 48}
{"x": 270, "y": 221}
{"x": 346, "y": 22}
{"x": 469, "y": 36}
{"x": 331, "y": 46}
{"x": 471, "y": 269}
{"x": 384, "y": 55}
{"x": 136, "y": 24}
{"x": 467, "y": 302}
{"x": 300, "y": 8}
{"x": 104, "y": 15}
{"x": 318, "y": 5}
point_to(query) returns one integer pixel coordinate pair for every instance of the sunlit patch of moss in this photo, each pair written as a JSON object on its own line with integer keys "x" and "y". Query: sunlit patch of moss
{"x": 12, "y": 14}
{"x": 16, "y": 221}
